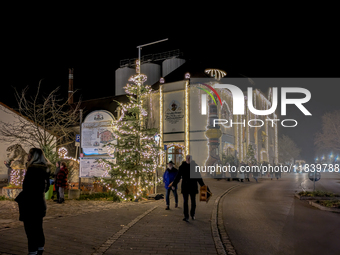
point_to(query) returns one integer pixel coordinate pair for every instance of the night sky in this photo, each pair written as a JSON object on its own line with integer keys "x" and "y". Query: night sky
{"x": 44, "y": 46}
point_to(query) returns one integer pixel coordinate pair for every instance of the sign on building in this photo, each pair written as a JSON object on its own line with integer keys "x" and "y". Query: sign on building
{"x": 97, "y": 131}
{"x": 97, "y": 142}
{"x": 90, "y": 167}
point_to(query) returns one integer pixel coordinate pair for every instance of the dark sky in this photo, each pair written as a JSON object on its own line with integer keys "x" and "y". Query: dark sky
{"x": 43, "y": 45}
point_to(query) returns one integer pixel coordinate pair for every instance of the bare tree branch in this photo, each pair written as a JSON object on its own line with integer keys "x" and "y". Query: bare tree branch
{"x": 41, "y": 120}
{"x": 329, "y": 137}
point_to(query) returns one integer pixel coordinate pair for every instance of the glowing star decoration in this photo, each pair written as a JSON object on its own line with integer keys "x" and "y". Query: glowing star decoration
{"x": 62, "y": 152}
{"x": 216, "y": 73}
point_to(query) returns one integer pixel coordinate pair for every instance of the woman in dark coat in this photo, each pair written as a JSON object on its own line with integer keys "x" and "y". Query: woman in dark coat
{"x": 62, "y": 181}
{"x": 32, "y": 204}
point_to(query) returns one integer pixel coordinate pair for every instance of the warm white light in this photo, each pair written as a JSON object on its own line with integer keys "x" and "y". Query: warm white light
{"x": 187, "y": 120}
{"x": 216, "y": 73}
{"x": 204, "y": 104}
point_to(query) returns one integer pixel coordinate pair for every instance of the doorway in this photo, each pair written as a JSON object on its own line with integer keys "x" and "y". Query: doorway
{"x": 175, "y": 154}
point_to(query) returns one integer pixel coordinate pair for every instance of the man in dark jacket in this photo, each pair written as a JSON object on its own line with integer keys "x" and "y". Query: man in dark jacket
{"x": 168, "y": 177}
{"x": 189, "y": 186}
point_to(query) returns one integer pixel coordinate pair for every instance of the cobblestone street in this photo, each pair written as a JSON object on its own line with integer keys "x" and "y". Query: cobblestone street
{"x": 103, "y": 227}
{"x": 10, "y": 212}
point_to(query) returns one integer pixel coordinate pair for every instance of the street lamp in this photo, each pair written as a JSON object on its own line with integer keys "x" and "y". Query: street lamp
{"x": 141, "y": 46}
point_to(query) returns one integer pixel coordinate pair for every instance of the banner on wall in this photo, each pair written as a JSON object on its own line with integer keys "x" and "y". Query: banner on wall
{"x": 97, "y": 131}
{"x": 174, "y": 111}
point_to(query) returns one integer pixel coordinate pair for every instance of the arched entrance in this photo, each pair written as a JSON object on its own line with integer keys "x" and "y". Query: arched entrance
{"x": 175, "y": 154}
{"x": 264, "y": 155}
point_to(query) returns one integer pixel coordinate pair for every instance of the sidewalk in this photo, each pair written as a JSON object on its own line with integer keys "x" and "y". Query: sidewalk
{"x": 123, "y": 228}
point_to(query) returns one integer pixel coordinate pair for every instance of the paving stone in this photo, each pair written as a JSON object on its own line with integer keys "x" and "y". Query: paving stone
{"x": 96, "y": 227}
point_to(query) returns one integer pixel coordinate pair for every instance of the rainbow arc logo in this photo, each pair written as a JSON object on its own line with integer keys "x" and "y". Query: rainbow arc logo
{"x": 204, "y": 97}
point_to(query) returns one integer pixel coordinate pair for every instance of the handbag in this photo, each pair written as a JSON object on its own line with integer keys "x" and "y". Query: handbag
{"x": 205, "y": 193}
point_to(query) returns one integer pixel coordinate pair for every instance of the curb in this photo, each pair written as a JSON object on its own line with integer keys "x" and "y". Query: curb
{"x": 221, "y": 239}
{"x": 324, "y": 208}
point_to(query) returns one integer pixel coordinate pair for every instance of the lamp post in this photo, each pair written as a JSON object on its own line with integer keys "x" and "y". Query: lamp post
{"x": 141, "y": 46}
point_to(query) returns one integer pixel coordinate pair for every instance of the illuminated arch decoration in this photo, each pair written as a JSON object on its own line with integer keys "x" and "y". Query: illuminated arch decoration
{"x": 216, "y": 73}
{"x": 228, "y": 147}
{"x": 266, "y": 156}
{"x": 177, "y": 145}
{"x": 225, "y": 113}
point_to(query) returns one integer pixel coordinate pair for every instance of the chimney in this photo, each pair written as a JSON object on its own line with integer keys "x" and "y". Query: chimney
{"x": 70, "y": 86}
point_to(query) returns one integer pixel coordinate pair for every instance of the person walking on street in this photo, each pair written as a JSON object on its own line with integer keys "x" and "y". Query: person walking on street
{"x": 246, "y": 171}
{"x": 55, "y": 180}
{"x": 31, "y": 201}
{"x": 255, "y": 171}
{"x": 168, "y": 177}
{"x": 189, "y": 186}
{"x": 271, "y": 174}
{"x": 62, "y": 181}
{"x": 277, "y": 173}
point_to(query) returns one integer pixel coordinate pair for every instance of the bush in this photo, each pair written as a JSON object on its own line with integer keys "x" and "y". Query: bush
{"x": 329, "y": 203}
{"x": 317, "y": 193}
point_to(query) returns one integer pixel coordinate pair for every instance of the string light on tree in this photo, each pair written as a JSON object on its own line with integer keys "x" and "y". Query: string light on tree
{"x": 137, "y": 151}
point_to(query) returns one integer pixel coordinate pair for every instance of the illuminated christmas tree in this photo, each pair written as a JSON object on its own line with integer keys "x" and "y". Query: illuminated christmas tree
{"x": 137, "y": 152}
